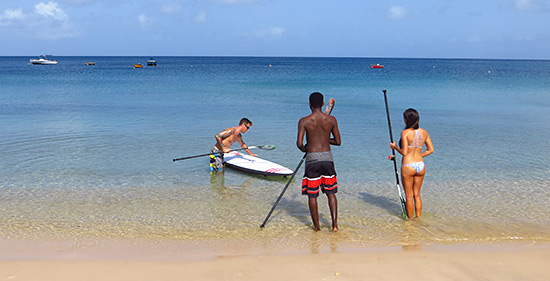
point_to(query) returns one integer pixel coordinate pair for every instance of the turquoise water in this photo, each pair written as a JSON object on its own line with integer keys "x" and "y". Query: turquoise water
{"x": 87, "y": 150}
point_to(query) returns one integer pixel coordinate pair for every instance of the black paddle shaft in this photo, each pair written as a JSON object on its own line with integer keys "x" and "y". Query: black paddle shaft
{"x": 283, "y": 192}
{"x": 264, "y": 147}
{"x": 391, "y": 137}
{"x": 403, "y": 207}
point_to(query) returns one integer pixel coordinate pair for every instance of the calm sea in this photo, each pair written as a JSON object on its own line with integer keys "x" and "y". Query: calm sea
{"x": 87, "y": 150}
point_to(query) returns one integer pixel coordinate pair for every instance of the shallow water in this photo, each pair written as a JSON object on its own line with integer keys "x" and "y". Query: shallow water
{"x": 87, "y": 150}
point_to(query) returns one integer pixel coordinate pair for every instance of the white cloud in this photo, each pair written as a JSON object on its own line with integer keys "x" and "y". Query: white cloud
{"x": 10, "y": 15}
{"x": 269, "y": 33}
{"x": 237, "y": 2}
{"x": 397, "y": 12}
{"x": 50, "y": 10}
{"x": 45, "y": 21}
{"x": 171, "y": 8}
{"x": 201, "y": 17}
{"x": 475, "y": 39}
{"x": 526, "y": 5}
{"x": 277, "y": 31}
{"x": 144, "y": 21}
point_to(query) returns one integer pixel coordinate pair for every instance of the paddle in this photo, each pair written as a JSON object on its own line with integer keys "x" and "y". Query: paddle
{"x": 328, "y": 110}
{"x": 283, "y": 192}
{"x": 392, "y": 158}
{"x": 264, "y": 147}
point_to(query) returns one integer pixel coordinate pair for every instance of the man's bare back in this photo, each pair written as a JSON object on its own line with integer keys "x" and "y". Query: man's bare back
{"x": 319, "y": 127}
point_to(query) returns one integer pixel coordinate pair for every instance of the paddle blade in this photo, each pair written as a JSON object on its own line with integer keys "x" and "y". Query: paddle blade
{"x": 266, "y": 147}
{"x": 329, "y": 107}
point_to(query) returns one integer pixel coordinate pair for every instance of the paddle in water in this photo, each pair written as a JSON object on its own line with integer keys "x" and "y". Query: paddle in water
{"x": 328, "y": 110}
{"x": 392, "y": 158}
{"x": 263, "y": 147}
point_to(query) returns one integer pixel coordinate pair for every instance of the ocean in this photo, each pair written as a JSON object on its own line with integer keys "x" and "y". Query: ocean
{"x": 87, "y": 150}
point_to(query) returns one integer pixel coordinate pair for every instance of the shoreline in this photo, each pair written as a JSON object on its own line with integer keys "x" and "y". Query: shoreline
{"x": 187, "y": 260}
{"x": 136, "y": 249}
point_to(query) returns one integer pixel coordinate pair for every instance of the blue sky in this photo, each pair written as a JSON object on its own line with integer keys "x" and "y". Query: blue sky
{"x": 515, "y": 29}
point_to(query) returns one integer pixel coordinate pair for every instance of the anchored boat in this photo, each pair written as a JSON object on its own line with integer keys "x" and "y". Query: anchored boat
{"x": 152, "y": 62}
{"x": 43, "y": 60}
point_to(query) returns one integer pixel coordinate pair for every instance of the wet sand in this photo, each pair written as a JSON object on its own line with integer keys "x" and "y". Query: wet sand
{"x": 176, "y": 260}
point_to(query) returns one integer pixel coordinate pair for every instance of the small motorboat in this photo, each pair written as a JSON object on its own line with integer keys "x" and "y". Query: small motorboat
{"x": 152, "y": 62}
{"x": 376, "y": 66}
{"x": 89, "y": 63}
{"x": 43, "y": 60}
{"x": 138, "y": 65}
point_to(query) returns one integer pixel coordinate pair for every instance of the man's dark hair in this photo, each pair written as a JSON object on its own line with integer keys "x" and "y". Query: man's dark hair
{"x": 316, "y": 100}
{"x": 245, "y": 121}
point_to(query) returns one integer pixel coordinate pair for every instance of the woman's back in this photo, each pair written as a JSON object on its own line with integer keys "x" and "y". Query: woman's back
{"x": 412, "y": 142}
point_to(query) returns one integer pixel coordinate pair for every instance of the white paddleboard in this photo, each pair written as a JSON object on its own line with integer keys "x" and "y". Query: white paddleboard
{"x": 254, "y": 165}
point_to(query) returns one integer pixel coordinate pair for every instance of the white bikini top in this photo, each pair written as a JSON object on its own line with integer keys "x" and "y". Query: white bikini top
{"x": 417, "y": 142}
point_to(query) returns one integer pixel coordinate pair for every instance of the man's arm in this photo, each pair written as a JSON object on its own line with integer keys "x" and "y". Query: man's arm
{"x": 336, "y": 140}
{"x": 221, "y": 136}
{"x": 301, "y": 134}
{"x": 243, "y": 145}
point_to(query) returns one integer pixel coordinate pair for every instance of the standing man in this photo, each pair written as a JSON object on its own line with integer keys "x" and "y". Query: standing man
{"x": 225, "y": 139}
{"x": 319, "y": 171}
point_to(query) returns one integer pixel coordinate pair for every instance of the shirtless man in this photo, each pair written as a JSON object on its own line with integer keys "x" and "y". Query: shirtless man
{"x": 319, "y": 171}
{"x": 225, "y": 139}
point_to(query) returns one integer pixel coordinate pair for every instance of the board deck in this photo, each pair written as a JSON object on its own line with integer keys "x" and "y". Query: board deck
{"x": 254, "y": 165}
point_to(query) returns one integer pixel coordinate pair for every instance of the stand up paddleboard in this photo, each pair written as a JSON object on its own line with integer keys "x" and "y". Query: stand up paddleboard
{"x": 254, "y": 165}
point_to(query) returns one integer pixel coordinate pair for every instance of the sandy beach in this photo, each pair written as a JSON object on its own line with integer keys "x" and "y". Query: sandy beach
{"x": 133, "y": 260}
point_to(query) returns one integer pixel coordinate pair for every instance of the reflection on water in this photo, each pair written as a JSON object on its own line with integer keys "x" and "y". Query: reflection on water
{"x": 217, "y": 180}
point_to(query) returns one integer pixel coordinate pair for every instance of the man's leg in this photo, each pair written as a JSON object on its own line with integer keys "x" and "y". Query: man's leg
{"x": 314, "y": 213}
{"x": 333, "y": 205}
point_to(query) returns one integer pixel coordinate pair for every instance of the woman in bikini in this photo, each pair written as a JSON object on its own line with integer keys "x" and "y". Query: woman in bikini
{"x": 413, "y": 139}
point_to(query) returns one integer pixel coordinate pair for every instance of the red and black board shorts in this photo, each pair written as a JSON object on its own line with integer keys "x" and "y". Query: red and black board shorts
{"x": 319, "y": 175}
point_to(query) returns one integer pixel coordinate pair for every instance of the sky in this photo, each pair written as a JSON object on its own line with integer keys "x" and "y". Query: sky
{"x": 491, "y": 29}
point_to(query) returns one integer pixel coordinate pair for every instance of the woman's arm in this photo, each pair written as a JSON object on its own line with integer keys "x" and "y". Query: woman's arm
{"x": 429, "y": 146}
{"x": 404, "y": 144}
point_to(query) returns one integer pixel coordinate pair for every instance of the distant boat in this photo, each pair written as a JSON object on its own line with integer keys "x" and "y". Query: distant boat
{"x": 43, "y": 60}
{"x": 89, "y": 63}
{"x": 376, "y": 66}
{"x": 152, "y": 62}
{"x": 138, "y": 65}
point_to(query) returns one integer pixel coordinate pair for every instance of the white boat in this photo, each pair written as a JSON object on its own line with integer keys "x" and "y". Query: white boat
{"x": 43, "y": 59}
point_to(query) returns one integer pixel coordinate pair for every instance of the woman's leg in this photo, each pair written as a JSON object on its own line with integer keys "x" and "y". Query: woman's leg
{"x": 417, "y": 185}
{"x": 407, "y": 179}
